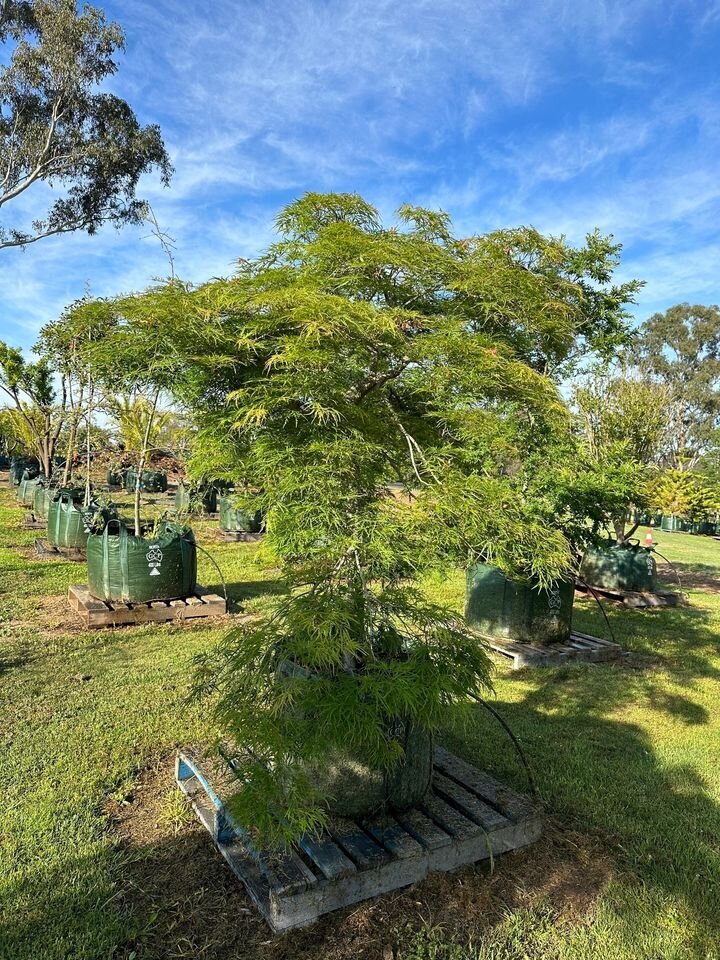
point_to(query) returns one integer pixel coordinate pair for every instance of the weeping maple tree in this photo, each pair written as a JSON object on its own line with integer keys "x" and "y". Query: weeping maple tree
{"x": 376, "y": 392}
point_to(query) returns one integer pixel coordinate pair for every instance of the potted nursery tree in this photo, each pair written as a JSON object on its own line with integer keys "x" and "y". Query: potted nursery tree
{"x": 138, "y": 562}
{"x": 349, "y": 357}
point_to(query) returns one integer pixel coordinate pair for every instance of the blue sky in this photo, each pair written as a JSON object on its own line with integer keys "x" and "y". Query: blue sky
{"x": 563, "y": 115}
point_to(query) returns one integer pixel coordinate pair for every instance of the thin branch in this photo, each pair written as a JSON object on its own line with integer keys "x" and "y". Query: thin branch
{"x": 359, "y": 393}
{"x": 69, "y": 228}
{"x": 41, "y": 165}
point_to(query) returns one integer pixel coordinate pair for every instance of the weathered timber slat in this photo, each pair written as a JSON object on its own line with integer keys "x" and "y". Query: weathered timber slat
{"x": 361, "y": 848}
{"x": 397, "y": 841}
{"x": 100, "y": 613}
{"x": 327, "y": 857}
{"x": 451, "y": 820}
{"x": 639, "y": 600}
{"x": 424, "y": 830}
{"x": 479, "y": 818}
{"x": 469, "y": 804}
{"x": 511, "y": 805}
{"x": 287, "y": 874}
{"x": 581, "y": 647}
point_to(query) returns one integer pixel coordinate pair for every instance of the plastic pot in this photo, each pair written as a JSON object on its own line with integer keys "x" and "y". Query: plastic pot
{"x": 234, "y": 520}
{"x": 517, "y": 610}
{"x": 130, "y": 569}
{"x": 626, "y": 566}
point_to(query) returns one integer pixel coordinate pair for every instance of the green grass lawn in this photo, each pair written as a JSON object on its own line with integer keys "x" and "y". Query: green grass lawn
{"x": 100, "y": 859}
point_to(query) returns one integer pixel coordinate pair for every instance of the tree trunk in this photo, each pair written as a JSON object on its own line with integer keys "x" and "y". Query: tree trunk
{"x": 143, "y": 460}
{"x": 46, "y": 451}
{"x": 619, "y": 525}
{"x": 70, "y": 448}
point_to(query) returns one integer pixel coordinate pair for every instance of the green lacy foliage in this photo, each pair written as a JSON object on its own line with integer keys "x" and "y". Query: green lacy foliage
{"x": 349, "y": 358}
{"x": 340, "y": 666}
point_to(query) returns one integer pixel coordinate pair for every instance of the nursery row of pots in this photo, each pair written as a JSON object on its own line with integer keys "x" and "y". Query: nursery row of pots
{"x": 670, "y": 523}
{"x": 121, "y": 566}
{"x": 216, "y": 498}
{"x": 151, "y": 481}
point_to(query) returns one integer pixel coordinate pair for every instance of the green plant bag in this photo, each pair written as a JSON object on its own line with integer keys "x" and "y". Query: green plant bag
{"x": 152, "y": 481}
{"x": 704, "y": 527}
{"x": 23, "y": 467}
{"x": 620, "y": 566}
{"x": 672, "y": 524}
{"x": 130, "y": 569}
{"x": 182, "y": 498}
{"x": 26, "y": 490}
{"x": 188, "y": 499}
{"x": 69, "y": 520}
{"x": 233, "y": 520}
{"x": 353, "y": 788}
{"x": 41, "y": 501}
{"x": 515, "y": 610}
{"x": 115, "y": 478}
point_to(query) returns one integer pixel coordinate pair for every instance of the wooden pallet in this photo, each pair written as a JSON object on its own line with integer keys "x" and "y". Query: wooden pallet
{"x": 467, "y": 816}
{"x": 31, "y": 522}
{"x": 240, "y": 536}
{"x": 101, "y": 613}
{"x": 44, "y": 549}
{"x": 580, "y": 647}
{"x": 639, "y": 601}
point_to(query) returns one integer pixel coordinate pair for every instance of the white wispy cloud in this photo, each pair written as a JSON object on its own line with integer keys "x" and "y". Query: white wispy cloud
{"x": 561, "y": 114}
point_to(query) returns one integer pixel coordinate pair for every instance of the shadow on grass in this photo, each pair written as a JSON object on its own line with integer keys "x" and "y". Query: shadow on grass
{"x": 603, "y": 776}
{"x": 240, "y": 591}
{"x": 164, "y": 891}
{"x": 691, "y": 576}
{"x": 682, "y": 640}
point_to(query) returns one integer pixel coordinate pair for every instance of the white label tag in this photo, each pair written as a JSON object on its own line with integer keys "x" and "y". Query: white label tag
{"x": 154, "y": 558}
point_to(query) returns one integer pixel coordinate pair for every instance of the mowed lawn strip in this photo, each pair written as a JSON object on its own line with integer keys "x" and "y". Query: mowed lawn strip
{"x": 626, "y": 755}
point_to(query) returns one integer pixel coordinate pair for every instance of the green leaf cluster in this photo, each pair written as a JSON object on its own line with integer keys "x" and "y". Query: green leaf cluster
{"x": 388, "y": 398}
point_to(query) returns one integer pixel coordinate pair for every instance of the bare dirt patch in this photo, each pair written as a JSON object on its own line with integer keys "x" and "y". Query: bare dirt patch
{"x": 171, "y": 872}
{"x": 51, "y": 615}
{"x": 679, "y": 577}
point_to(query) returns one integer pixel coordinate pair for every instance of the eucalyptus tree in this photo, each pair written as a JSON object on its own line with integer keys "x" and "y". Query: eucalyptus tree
{"x": 681, "y": 350}
{"x": 623, "y": 418}
{"x": 61, "y": 134}
{"x": 66, "y": 344}
{"x": 350, "y": 357}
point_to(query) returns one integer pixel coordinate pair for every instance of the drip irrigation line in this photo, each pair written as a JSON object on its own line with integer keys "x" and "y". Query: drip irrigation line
{"x": 215, "y": 564}
{"x": 593, "y": 593}
{"x": 516, "y": 743}
{"x": 672, "y": 567}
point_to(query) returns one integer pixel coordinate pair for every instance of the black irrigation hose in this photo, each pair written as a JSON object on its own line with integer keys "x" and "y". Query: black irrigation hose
{"x": 215, "y": 564}
{"x": 593, "y": 593}
{"x": 515, "y": 741}
{"x": 671, "y": 565}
